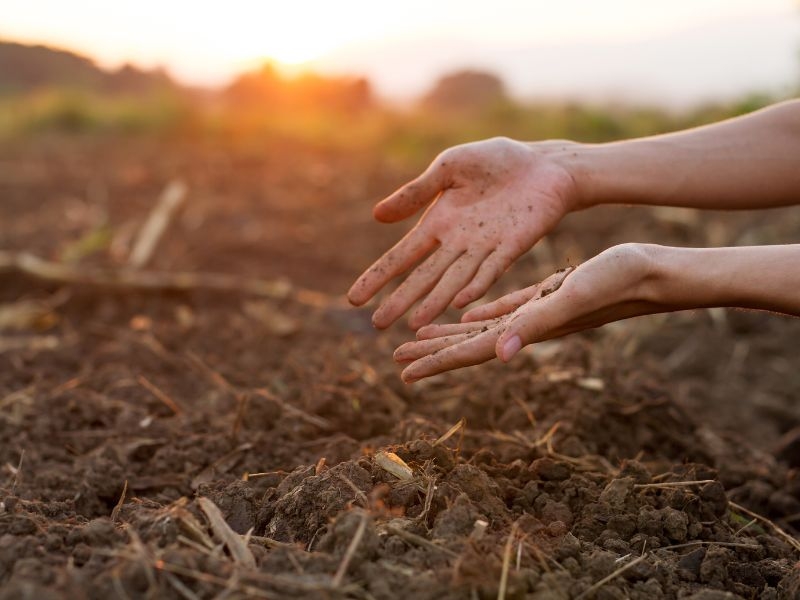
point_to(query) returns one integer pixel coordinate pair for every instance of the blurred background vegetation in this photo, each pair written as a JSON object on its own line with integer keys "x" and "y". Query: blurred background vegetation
{"x": 45, "y": 91}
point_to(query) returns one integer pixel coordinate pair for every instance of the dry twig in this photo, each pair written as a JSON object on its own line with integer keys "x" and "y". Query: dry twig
{"x": 672, "y": 484}
{"x": 238, "y": 548}
{"x": 158, "y": 221}
{"x": 450, "y": 432}
{"x": 18, "y": 471}
{"x": 180, "y": 587}
{"x": 144, "y": 281}
{"x": 314, "y": 420}
{"x": 791, "y": 540}
{"x": 29, "y": 343}
{"x": 270, "y": 543}
{"x": 503, "y": 587}
{"x": 417, "y": 540}
{"x": 351, "y": 550}
{"x": 359, "y": 494}
{"x": 160, "y": 394}
{"x": 212, "y": 579}
{"x": 610, "y": 577}
{"x": 118, "y": 507}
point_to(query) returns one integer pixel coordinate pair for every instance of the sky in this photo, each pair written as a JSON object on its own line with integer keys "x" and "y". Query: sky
{"x": 670, "y": 52}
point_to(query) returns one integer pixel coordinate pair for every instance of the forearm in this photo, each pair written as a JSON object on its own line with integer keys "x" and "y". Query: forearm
{"x": 757, "y": 277}
{"x": 747, "y": 162}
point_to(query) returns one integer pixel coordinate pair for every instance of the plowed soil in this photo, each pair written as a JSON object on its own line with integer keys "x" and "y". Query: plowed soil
{"x": 655, "y": 458}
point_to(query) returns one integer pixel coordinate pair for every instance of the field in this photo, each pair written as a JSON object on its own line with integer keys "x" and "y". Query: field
{"x": 180, "y": 441}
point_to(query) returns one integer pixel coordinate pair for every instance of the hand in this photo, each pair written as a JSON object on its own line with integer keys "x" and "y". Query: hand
{"x": 614, "y": 285}
{"x": 491, "y": 201}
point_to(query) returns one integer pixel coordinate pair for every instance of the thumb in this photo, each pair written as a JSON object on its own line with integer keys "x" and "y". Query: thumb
{"x": 541, "y": 314}
{"x": 502, "y": 306}
{"x": 531, "y": 325}
{"x": 411, "y": 197}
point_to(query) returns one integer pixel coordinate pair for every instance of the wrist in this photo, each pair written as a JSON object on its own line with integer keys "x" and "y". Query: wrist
{"x": 626, "y": 172}
{"x": 686, "y": 278}
{"x": 756, "y": 277}
{"x": 568, "y": 157}
{"x": 584, "y": 164}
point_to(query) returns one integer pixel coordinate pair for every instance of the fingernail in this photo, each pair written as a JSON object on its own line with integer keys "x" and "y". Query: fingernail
{"x": 511, "y": 347}
{"x": 377, "y": 321}
{"x": 408, "y": 379}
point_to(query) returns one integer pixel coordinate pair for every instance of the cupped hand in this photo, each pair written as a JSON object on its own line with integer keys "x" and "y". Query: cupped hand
{"x": 490, "y": 202}
{"x": 616, "y": 284}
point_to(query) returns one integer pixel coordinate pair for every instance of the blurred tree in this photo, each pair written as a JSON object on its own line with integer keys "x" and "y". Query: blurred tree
{"x": 467, "y": 90}
{"x": 132, "y": 80}
{"x": 257, "y": 88}
{"x": 268, "y": 89}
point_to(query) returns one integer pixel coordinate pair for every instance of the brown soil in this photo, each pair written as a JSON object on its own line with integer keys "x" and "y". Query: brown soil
{"x": 572, "y": 477}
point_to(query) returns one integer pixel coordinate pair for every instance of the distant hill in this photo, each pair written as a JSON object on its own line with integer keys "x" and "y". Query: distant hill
{"x": 25, "y": 68}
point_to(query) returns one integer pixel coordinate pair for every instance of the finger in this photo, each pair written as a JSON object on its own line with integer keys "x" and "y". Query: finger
{"x": 490, "y": 271}
{"x": 455, "y": 278}
{"x": 434, "y": 331}
{"x": 473, "y": 351}
{"x": 411, "y": 351}
{"x": 395, "y": 261}
{"x": 511, "y": 302}
{"x": 411, "y": 197}
{"x": 420, "y": 282}
{"x": 536, "y": 321}
{"x": 501, "y": 306}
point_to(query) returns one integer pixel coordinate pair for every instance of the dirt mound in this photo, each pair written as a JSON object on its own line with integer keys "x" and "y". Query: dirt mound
{"x": 183, "y": 445}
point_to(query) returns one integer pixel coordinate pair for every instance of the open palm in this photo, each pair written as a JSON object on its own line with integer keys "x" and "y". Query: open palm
{"x": 490, "y": 202}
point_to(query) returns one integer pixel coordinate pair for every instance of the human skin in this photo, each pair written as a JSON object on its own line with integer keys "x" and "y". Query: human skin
{"x": 488, "y": 202}
{"x": 622, "y": 282}
{"x": 492, "y": 201}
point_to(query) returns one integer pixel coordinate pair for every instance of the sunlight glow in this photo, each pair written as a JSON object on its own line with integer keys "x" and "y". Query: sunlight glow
{"x": 290, "y": 35}
{"x": 400, "y": 47}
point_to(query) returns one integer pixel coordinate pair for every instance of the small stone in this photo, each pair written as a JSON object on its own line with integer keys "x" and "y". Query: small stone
{"x": 714, "y": 498}
{"x": 556, "y": 511}
{"x": 641, "y": 571}
{"x": 714, "y": 568}
{"x": 690, "y": 563}
{"x": 458, "y": 520}
{"x": 650, "y": 589}
{"x": 636, "y": 470}
{"x": 623, "y": 524}
{"x": 648, "y": 521}
{"x": 551, "y": 470}
{"x": 675, "y": 524}
{"x": 569, "y": 546}
{"x": 617, "y": 491}
{"x": 616, "y": 545}
{"x": 601, "y": 563}
{"x": 99, "y": 532}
